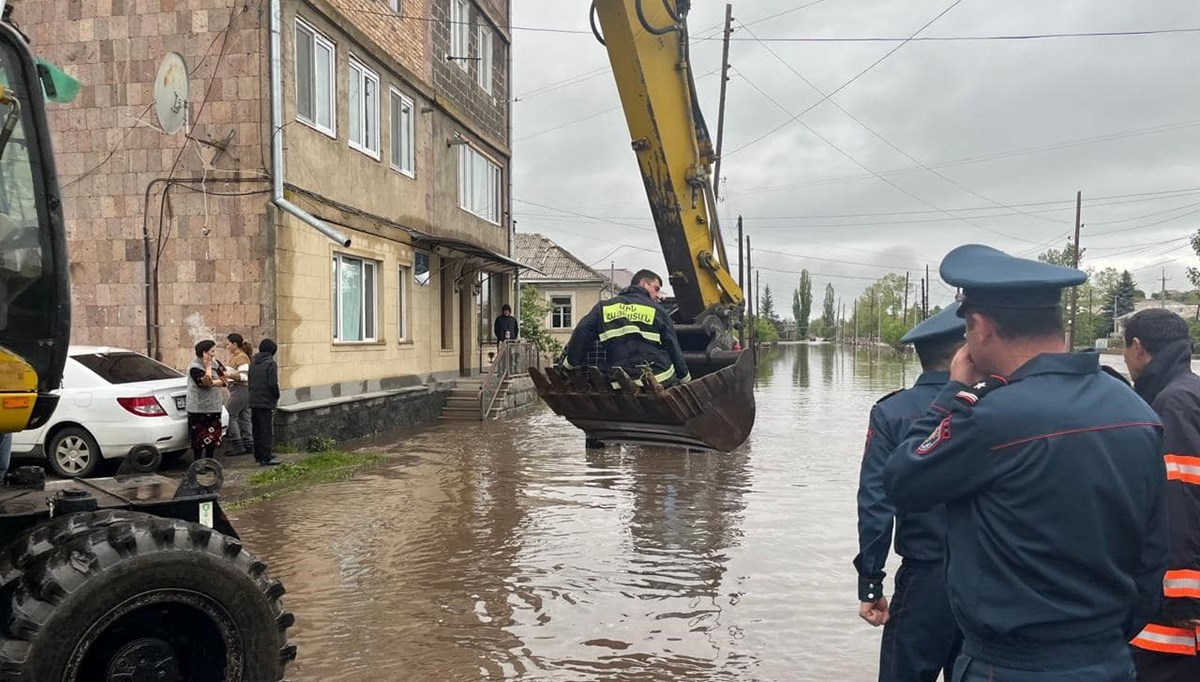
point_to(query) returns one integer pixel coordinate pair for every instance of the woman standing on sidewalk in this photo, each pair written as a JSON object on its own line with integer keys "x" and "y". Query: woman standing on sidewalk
{"x": 205, "y": 379}
{"x": 241, "y": 440}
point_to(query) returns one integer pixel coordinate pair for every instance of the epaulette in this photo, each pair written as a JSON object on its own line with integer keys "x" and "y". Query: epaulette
{"x": 975, "y": 392}
{"x": 898, "y": 390}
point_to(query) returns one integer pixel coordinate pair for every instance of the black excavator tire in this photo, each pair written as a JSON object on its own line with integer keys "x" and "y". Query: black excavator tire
{"x": 80, "y": 594}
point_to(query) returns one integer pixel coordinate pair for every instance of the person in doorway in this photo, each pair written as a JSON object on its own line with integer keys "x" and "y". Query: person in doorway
{"x": 1158, "y": 353}
{"x": 921, "y": 640}
{"x": 635, "y": 332}
{"x": 506, "y": 325}
{"x": 240, "y": 431}
{"x": 206, "y": 377}
{"x": 1053, "y": 479}
{"x": 264, "y": 397}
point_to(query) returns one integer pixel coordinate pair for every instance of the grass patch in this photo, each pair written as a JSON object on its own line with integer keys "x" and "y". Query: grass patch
{"x": 323, "y": 467}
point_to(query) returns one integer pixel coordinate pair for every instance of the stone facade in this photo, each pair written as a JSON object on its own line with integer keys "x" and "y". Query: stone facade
{"x": 109, "y": 149}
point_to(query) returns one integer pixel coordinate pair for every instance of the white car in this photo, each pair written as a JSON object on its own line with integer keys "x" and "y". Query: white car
{"x": 112, "y": 401}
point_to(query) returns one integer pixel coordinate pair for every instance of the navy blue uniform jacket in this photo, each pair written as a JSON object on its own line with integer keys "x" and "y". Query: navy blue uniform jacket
{"x": 630, "y": 343}
{"x": 920, "y": 536}
{"x": 1054, "y": 486}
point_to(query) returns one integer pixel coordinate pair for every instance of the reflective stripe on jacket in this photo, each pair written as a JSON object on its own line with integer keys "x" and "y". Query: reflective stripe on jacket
{"x": 635, "y": 332}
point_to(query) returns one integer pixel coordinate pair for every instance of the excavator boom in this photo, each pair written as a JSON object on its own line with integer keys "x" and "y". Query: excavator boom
{"x": 647, "y": 43}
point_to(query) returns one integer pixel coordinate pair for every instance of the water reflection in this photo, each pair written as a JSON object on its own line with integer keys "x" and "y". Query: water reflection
{"x": 508, "y": 551}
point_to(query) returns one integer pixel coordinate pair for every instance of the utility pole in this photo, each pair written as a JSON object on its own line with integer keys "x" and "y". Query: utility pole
{"x": 925, "y": 303}
{"x": 721, "y": 107}
{"x": 1163, "y": 296}
{"x": 906, "y": 298}
{"x": 742, "y": 281}
{"x": 1075, "y": 264}
{"x": 758, "y": 305}
{"x": 855, "y": 321}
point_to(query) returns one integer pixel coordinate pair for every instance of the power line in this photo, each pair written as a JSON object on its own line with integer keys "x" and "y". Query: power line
{"x": 1056, "y": 146}
{"x": 848, "y": 83}
{"x": 880, "y": 177}
{"x": 989, "y": 38}
{"x": 883, "y": 139}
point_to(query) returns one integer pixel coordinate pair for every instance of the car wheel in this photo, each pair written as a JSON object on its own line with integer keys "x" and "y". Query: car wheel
{"x": 73, "y": 453}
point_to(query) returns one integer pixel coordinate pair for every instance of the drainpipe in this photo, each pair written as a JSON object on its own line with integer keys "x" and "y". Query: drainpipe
{"x": 277, "y": 197}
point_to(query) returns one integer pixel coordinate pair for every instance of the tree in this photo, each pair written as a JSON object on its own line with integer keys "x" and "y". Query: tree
{"x": 766, "y": 306}
{"x": 1064, "y": 257}
{"x": 828, "y": 313}
{"x": 805, "y": 307}
{"x": 533, "y": 321}
{"x": 1194, "y": 273}
{"x": 1118, "y": 300}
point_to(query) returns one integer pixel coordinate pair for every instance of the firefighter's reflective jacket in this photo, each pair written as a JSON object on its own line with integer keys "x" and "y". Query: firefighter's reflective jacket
{"x": 635, "y": 332}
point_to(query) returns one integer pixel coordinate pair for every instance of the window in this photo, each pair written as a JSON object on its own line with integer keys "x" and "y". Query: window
{"x": 484, "y": 77}
{"x": 315, "y": 86}
{"x": 478, "y": 184}
{"x": 126, "y": 367}
{"x": 460, "y": 32}
{"x": 402, "y": 325}
{"x": 560, "y": 312}
{"x": 364, "y": 109}
{"x": 403, "y": 135}
{"x": 395, "y": 5}
{"x": 354, "y": 298}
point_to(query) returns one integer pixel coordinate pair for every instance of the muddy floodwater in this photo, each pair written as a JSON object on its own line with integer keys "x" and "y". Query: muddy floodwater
{"x": 506, "y": 551}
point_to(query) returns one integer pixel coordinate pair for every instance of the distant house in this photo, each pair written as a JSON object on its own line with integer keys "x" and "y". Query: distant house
{"x": 568, "y": 285}
{"x": 1184, "y": 310}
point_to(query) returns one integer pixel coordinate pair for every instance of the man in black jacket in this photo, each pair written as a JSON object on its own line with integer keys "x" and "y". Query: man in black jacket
{"x": 505, "y": 325}
{"x": 1158, "y": 352}
{"x": 264, "y": 396}
{"x": 635, "y": 331}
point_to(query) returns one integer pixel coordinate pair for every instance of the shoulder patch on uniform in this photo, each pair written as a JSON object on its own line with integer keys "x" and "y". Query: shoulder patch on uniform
{"x": 940, "y": 435}
{"x": 898, "y": 390}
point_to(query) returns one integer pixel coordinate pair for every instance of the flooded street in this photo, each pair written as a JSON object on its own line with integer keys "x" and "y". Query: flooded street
{"x": 505, "y": 550}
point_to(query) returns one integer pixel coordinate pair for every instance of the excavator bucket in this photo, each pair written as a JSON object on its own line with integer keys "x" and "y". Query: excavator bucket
{"x": 714, "y": 412}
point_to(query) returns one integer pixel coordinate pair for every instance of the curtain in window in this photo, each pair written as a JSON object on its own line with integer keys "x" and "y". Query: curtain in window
{"x": 351, "y": 300}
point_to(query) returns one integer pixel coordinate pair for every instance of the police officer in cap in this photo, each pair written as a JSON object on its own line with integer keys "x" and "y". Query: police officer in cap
{"x": 635, "y": 331}
{"x": 1053, "y": 480}
{"x": 920, "y": 637}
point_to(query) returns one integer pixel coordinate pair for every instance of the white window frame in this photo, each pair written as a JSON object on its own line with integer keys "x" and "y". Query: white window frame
{"x": 405, "y": 292}
{"x": 489, "y": 210}
{"x": 372, "y": 311}
{"x": 550, "y": 298}
{"x": 369, "y": 122}
{"x": 484, "y": 76}
{"x": 406, "y": 166}
{"x": 322, "y": 42}
{"x": 397, "y": 6}
{"x": 460, "y": 32}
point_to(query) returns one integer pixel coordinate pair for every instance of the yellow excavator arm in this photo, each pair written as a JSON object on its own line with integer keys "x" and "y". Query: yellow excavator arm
{"x": 647, "y": 44}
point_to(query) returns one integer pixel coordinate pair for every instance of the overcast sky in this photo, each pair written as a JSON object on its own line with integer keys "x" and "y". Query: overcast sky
{"x": 1007, "y": 131}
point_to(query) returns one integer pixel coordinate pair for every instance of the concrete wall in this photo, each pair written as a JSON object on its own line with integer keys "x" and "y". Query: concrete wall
{"x": 109, "y": 149}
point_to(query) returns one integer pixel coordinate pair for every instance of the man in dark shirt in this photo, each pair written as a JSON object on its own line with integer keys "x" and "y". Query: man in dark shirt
{"x": 506, "y": 325}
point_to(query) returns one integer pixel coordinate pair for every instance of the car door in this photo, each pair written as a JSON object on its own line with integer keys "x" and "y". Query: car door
{"x": 75, "y": 397}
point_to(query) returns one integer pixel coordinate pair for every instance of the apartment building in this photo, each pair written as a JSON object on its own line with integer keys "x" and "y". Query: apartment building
{"x": 349, "y": 199}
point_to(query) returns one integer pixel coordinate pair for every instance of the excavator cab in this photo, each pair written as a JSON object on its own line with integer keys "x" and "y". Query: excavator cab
{"x": 647, "y": 44}
{"x": 34, "y": 282}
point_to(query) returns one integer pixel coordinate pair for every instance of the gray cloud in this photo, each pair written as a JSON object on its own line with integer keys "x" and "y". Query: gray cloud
{"x": 940, "y": 102}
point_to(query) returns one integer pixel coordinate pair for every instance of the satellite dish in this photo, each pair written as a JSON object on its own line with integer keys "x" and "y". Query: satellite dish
{"x": 171, "y": 93}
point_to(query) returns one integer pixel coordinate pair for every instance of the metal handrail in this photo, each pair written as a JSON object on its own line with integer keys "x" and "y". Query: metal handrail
{"x": 513, "y": 358}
